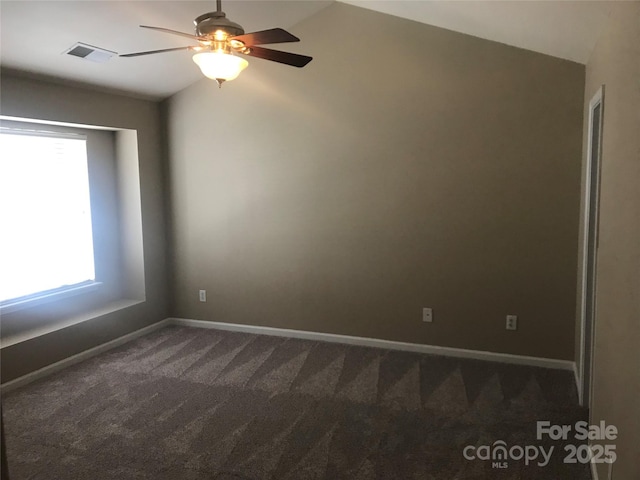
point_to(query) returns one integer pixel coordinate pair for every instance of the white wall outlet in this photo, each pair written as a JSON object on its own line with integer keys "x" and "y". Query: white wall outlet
{"x": 203, "y": 295}
{"x": 427, "y": 315}
{"x": 512, "y": 322}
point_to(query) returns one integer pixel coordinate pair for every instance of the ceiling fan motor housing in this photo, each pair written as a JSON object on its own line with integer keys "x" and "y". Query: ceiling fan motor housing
{"x": 209, "y": 23}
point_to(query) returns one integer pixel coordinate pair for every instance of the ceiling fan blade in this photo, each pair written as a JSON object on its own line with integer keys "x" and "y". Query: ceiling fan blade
{"x": 287, "y": 58}
{"x": 139, "y": 54}
{"x": 274, "y": 35}
{"x": 174, "y": 32}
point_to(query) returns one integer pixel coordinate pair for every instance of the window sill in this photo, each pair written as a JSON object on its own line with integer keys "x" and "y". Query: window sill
{"x": 36, "y": 300}
{"x": 93, "y": 314}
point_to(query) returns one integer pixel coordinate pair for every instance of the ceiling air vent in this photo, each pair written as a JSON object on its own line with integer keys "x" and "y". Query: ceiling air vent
{"x": 89, "y": 52}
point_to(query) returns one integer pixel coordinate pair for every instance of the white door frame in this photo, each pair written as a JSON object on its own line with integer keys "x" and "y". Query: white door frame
{"x": 589, "y": 255}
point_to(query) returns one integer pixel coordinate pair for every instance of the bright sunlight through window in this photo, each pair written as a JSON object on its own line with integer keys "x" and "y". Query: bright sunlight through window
{"x": 45, "y": 213}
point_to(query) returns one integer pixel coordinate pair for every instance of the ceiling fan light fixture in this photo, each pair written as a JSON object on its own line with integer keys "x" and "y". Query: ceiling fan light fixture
{"x": 219, "y": 38}
{"x": 220, "y": 66}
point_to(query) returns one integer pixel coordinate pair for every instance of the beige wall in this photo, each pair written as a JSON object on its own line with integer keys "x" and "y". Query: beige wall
{"x": 615, "y": 63}
{"x": 40, "y": 336}
{"x": 406, "y": 166}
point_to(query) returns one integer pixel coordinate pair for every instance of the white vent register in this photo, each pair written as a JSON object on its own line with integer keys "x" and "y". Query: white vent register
{"x": 89, "y": 52}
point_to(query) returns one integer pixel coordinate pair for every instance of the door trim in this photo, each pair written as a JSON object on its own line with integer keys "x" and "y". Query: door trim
{"x": 592, "y": 168}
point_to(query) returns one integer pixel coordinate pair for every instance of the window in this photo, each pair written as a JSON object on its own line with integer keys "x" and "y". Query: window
{"x": 46, "y": 245}
{"x": 71, "y": 238}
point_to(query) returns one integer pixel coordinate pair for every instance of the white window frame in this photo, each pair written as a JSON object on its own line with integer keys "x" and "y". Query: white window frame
{"x": 54, "y": 294}
{"x": 123, "y": 284}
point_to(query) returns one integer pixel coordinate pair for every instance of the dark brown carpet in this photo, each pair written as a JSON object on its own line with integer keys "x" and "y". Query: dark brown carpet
{"x": 186, "y": 403}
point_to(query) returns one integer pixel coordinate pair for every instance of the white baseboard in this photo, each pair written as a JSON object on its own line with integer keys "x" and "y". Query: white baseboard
{"x": 378, "y": 343}
{"x": 80, "y": 357}
{"x": 284, "y": 332}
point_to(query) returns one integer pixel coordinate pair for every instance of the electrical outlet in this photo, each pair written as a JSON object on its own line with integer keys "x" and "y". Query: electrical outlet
{"x": 427, "y": 315}
{"x": 512, "y": 322}
{"x": 203, "y": 295}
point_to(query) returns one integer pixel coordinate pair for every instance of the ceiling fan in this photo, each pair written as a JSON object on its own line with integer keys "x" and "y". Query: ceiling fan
{"x": 219, "y": 40}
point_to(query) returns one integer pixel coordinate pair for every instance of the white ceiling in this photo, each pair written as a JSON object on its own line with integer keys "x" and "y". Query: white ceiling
{"x": 562, "y": 28}
{"x": 34, "y": 34}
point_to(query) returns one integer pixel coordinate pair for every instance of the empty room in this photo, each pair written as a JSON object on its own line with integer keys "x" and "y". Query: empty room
{"x": 304, "y": 240}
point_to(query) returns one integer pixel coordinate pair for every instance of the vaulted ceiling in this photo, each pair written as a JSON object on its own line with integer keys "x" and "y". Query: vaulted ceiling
{"x": 35, "y": 34}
